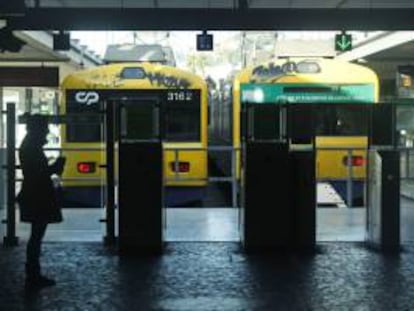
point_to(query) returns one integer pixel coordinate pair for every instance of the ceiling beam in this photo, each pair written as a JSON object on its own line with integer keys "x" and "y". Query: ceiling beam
{"x": 213, "y": 19}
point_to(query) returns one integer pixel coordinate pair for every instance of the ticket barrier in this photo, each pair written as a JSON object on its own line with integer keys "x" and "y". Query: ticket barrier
{"x": 279, "y": 202}
{"x": 383, "y": 190}
{"x": 140, "y": 188}
{"x": 383, "y": 212}
{"x": 278, "y": 186}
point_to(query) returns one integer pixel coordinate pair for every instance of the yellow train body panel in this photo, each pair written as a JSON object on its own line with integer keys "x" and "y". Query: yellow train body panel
{"x": 75, "y": 157}
{"x": 197, "y": 159}
{"x": 330, "y": 164}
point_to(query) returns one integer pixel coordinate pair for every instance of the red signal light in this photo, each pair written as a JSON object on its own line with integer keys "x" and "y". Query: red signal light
{"x": 355, "y": 160}
{"x": 181, "y": 167}
{"x": 86, "y": 167}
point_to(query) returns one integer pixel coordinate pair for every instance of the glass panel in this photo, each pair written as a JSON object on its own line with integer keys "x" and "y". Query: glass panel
{"x": 86, "y": 128}
{"x": 182, "y": 116}
{"x": 266, "y": 122}
{"x": 405, "y": 125}
{"x": 341, "y": 170}
{"x": 341, "y": 121}
{"x": 137, "y": 120}
{"x": 405, "y": 139}
{"x": 407, "y": 208}
{"x": 405, "y": 81}
{"x": 182, "y": 122}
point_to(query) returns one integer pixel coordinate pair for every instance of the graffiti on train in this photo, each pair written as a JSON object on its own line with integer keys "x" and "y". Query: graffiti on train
{"x": 272, "y": 72}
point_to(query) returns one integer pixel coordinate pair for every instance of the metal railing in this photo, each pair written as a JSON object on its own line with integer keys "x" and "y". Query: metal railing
{"x": 407, "y": 155}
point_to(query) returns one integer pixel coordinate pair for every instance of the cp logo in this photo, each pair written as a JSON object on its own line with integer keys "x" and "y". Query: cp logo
{"x": 87, "y": 98}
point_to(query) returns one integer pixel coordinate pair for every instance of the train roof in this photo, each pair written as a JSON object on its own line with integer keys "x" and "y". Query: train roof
{"x": 153, "y": 53}
{"x": 307, "y": 69}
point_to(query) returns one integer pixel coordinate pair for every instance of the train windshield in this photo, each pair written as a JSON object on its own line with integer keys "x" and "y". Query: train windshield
{"x": 181, "y": 121}
{"x": 87, "y": 127}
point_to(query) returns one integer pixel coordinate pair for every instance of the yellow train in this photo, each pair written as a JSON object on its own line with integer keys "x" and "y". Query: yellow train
{"x": 183, "y": 99}
{"x": 309, "y": 81}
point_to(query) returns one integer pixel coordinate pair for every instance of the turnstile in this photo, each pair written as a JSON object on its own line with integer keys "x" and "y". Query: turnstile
{"x": 140, "y": 188}
{"x": 383, "y": 212}
{"x": 278, "y": 182}
{"x": 279, "y": 198}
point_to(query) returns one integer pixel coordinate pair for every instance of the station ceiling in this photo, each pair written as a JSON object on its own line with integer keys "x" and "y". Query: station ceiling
{"x": 211, "y": 15}
{"x": 402, "y": 53}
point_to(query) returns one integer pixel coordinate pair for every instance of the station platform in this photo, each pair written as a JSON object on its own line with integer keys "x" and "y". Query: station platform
{"x": 204, "y": 267}
{"x": 212, "y": 276}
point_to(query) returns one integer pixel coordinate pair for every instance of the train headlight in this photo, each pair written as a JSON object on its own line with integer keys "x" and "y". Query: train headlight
{"x": 258, "y": 96}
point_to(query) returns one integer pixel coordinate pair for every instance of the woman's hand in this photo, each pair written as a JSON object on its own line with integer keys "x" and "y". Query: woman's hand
{"x": 59, "y": 165}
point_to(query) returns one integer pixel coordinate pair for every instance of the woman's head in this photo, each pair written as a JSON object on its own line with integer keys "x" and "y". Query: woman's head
{"x": 37, "y": 126}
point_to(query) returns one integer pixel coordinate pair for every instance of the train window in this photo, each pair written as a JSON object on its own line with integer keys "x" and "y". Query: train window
{"x": 308, "y": 67}
{"x": 85, "y": 128}
{"x": 182, "y": 121}
{"x": 84, "y": 131}
{"x": 133, "y": 73}
{"x": 342, "y": 121}
{"x": 137, "y": 120}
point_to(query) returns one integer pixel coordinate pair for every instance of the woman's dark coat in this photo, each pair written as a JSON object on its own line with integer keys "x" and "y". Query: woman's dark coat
{"x": 38, "y": 198}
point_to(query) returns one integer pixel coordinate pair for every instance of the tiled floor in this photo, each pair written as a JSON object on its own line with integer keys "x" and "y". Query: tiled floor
{"x": 211, "y": 276}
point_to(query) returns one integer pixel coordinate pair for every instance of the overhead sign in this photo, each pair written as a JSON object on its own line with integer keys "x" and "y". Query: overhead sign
{"x": 343, "y": 42}
{"x": 204, "y": 42}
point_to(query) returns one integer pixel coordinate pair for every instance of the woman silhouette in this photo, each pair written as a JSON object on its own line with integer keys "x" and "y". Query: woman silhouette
{"x": 38, "y": 198}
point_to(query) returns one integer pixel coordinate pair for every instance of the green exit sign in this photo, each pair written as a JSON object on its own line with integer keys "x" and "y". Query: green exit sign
{"x": 343, "y": 42}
